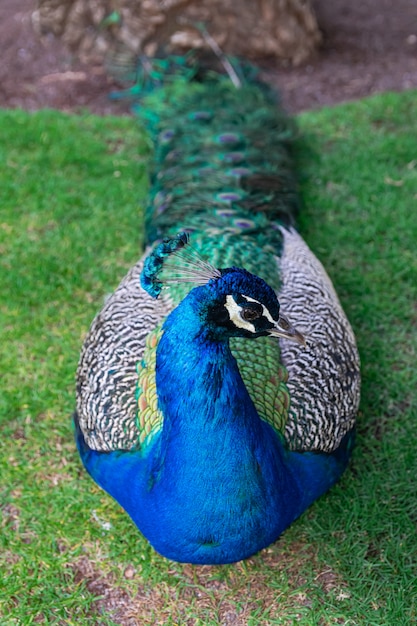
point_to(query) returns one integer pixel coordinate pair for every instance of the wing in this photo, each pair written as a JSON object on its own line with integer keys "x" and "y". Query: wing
{"x": 308, "y": 394}
{"x": 324, "y": 377}
{"x": 120, "y": 345}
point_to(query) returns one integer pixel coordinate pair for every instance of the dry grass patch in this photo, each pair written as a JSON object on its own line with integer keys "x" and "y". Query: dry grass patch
{"x": 272, "y": 587}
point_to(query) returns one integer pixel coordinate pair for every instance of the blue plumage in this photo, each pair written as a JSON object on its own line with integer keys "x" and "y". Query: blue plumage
{"x": 201, "y": 409}
{"x": 213, "y": 483}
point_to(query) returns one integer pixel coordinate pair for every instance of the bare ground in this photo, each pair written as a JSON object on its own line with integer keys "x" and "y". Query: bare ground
{"x": 369, "y": 46}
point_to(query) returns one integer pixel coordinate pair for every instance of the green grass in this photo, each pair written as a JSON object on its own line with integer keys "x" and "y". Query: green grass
{"x": 70, "y": 225}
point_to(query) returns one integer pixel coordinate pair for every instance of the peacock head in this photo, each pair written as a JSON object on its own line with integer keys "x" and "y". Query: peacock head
{"x": 241, "y": 304}
{"x": 230, "y": 302}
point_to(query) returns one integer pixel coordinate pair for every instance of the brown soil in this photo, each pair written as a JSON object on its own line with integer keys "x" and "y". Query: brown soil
{"x": 369, "y": 46}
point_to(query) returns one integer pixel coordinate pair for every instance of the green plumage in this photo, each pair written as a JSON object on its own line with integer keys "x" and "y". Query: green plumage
{"x": 223, "y": 171}
{"x": 219, "y": 148}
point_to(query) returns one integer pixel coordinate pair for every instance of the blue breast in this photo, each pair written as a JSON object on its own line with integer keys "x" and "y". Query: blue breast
{"x": 217, "y": 483}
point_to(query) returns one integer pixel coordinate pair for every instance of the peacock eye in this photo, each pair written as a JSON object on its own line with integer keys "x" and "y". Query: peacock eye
{"x": 249, "y": 315}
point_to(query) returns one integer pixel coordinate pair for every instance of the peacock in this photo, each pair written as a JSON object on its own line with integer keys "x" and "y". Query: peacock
{"x": 217, "y": 388}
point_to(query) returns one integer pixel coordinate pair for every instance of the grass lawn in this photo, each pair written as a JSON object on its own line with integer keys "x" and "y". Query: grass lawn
{"x": 70, "y": 226}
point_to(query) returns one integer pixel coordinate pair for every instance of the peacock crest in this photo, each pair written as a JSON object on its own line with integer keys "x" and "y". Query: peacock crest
{"x": 175, "y": 261}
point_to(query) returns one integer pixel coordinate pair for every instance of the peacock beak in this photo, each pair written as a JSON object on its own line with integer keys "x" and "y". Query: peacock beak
{"x": 284, "y": 329}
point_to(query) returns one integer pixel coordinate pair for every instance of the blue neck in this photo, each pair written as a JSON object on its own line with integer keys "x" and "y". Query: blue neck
{"x": 200, "y": 389}
{"x": 218, "y": 467}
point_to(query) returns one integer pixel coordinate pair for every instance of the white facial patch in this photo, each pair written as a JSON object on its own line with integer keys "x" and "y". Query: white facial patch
{"x": 234, "y": 310}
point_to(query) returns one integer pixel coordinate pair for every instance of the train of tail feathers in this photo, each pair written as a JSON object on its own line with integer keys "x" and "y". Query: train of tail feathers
{"x": 218, "y": 386}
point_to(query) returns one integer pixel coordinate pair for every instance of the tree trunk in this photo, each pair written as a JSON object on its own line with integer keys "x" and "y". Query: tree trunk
{"x": 254, "y": 29}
